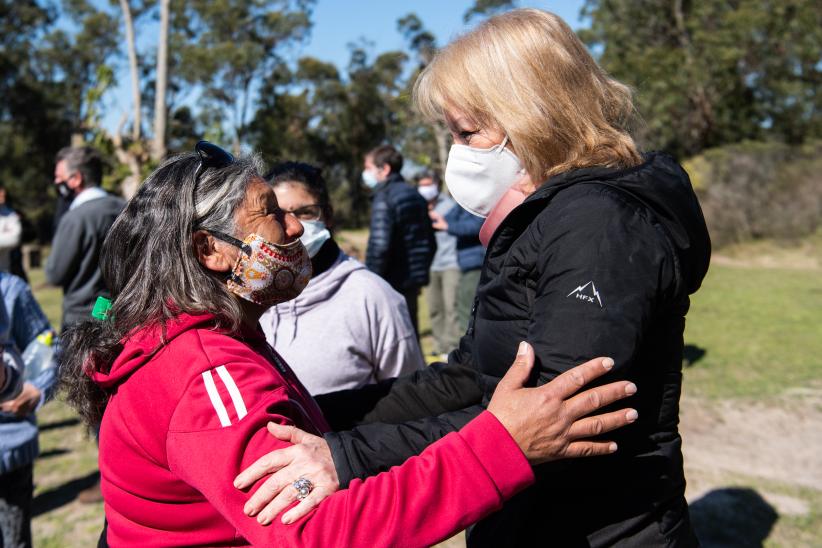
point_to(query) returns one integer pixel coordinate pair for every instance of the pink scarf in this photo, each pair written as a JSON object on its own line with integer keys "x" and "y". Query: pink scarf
{"x": 513, "y": 197}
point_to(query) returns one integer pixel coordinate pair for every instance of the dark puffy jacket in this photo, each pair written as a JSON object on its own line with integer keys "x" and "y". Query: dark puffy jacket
{"x": 401, "y": 243}
{"x": 466, "y": 227}
{"x": 597, "y": 262}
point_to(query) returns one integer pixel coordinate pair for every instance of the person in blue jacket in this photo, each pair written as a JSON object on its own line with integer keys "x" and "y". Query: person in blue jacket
{"x": 470, "y": 254}
{"x": 18, "y": 425}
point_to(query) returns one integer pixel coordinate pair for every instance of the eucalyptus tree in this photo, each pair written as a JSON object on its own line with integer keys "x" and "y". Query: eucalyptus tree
{"x": 713, "y": 72}
{"x": 232, "y": 45}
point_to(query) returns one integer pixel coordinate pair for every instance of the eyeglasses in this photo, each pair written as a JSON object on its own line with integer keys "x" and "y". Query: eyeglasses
{"x": 311, "y": 212}
{"x": 210, "y": 156}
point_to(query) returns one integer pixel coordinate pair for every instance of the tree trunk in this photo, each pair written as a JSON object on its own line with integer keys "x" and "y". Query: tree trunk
{"x": 704, "y": 116}
{"x": 132, "y": 65}
{"x": 240, "y": 114}
{"x": 129, "y": 156}
{"x": 158, "y": 144}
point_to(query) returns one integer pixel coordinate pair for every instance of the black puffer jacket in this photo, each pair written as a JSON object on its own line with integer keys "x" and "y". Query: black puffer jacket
{"x": 597, "y": 262}
{"x": 401, "y": 243}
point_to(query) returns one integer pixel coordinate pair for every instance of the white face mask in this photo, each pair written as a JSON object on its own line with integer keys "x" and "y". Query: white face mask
{"x": 369, "y": 178}
{"x": 429, "y": 192}
{"x": 315, "y": 234}
{"x": 478, "y": 177}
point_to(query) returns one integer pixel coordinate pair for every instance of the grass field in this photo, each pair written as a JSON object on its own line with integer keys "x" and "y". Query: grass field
{"x": 755, "y": 332}
{"x": 755, "y": 350}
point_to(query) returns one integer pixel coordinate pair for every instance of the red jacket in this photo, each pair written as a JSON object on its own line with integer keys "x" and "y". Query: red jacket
{"x": 186, "y": 418}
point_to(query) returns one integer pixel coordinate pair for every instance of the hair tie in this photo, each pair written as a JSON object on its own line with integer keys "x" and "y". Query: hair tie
{"x": 101, "y": 308}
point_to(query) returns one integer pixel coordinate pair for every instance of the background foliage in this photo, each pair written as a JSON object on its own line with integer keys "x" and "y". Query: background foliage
{"x": 708, "y": 75}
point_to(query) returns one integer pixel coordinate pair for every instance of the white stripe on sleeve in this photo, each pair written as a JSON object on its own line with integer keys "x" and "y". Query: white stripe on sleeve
{"x": 233, "y": 391}
{"x": 211, "y": 388}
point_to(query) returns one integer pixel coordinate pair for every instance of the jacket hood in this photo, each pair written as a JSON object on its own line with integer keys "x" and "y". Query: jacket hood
{"x": 143, "y": 344}
{"x": 320, "y": 289}
{"x": 664, "y": 187}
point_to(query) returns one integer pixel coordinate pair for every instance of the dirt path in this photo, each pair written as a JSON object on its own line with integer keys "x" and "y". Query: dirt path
{"x": 804, "y": 256}
{"x": 780, "y": 442}
{"x": 754, "y": 469}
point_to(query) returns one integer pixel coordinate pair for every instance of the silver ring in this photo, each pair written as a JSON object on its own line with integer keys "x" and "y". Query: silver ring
{"x": 303, "y": 487}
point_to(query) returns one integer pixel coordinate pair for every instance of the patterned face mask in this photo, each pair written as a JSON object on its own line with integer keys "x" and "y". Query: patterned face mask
{"x": 267, "y": 273}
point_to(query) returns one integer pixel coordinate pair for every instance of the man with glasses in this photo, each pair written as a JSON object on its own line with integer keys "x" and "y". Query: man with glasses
{"x": 73, "y": 263}
{"x": 75, "y": 249}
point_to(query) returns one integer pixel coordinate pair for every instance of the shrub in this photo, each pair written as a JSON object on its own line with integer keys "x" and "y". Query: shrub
{"x": 757, "y": 190}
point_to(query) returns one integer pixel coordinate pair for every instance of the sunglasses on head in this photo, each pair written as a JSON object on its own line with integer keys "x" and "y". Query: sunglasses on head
{"x": 211, "y": 156}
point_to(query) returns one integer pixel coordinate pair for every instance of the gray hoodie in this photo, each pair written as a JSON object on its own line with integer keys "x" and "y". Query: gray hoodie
{"x": 348, "y": 328}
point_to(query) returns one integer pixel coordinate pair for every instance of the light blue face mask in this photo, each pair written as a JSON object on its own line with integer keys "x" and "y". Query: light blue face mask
{"x": 315, "y": 234}
{"x": 369, "y": 179}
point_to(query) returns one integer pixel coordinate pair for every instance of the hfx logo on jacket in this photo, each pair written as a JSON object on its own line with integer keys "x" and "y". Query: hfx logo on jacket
{"x": 587, "y": 293}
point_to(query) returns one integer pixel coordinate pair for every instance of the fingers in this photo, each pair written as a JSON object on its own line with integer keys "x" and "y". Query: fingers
{"x": 280, "y": 503}
{"x": 306, "y": 505}
{"x": 266, "y": 464}
{"x": 590, "y": 449}
{"x": 572, "y": 380}
{"x": 520, "y": 370}
{"x": 600, "y": 424}
{"x": 592, "y": 399}
{"x": 282, "y": 432}
{"x": 268, "y": 493}
{"x": 286, "y": 432}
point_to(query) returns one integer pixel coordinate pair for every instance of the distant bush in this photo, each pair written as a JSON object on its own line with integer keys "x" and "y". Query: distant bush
{"x": 756, "y": 190}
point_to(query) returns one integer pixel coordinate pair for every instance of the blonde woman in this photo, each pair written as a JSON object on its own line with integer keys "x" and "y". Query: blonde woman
{"x": 592, "y": 247}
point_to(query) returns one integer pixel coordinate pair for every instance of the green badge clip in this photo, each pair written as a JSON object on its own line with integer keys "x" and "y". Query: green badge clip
{"x": 101, "y": 308}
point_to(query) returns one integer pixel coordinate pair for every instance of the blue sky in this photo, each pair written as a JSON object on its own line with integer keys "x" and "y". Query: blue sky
{"x": 338, "y": 23}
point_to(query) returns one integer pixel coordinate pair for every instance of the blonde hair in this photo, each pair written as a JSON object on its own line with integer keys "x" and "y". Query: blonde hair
{"x": 526, "y": 73}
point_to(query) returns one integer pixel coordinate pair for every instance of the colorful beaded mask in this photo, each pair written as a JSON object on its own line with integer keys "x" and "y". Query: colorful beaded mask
{"x": 268, "y": 274}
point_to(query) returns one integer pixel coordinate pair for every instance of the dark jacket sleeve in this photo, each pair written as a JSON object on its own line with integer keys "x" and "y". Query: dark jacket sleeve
{"x": 604, "y": 270}
{"x": 419, "y": 241}
{"x": 403, "y": 417}
{"x": 370, "y": 449}
{"x": 379, "y": 237}
{"x": 429, "y": 392}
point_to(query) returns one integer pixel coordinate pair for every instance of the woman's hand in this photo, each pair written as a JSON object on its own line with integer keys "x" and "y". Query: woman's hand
{"x": 308, "y": 457}
{"x": 437, "y": 221}
{"x": 550, "y": 422}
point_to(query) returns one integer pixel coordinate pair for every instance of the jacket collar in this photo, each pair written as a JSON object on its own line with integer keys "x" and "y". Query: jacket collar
{"x": 325, "y": 257}
{"x": 88, "y": 194}
{"x": 554, "y": 184}
{"x": 393, "y": 178}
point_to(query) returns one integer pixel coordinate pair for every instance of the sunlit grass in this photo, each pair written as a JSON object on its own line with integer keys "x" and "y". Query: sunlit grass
{"x": 760, "y": 328}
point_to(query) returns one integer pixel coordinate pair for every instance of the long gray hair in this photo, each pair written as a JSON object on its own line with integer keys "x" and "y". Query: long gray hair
{"x": 149, "y": 264}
